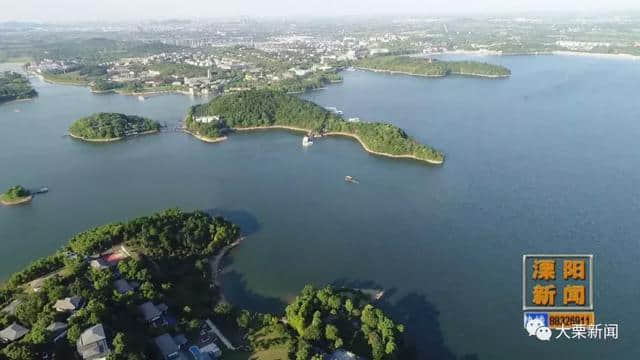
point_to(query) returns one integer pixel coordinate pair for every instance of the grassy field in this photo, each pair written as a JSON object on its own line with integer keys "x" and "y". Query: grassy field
{"x": 272, "y": 342}
{"x": 273, "y": 353}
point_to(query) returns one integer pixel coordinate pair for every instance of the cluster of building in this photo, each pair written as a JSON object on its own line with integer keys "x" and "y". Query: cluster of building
{"x": 94, "y": 343}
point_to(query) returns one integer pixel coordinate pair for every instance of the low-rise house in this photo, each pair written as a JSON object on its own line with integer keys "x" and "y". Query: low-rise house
{"x": 150, "y": 312}
{"x": 99, "y": 263}
{"x": 37, "y": 284}
{"x": 69, "y": 304}
{"x": 122, "y": 286}
{"x": 11, "y": 308}
{"x": 181, "y": 341}
{"x": 163, "y": 307}
{"x": 13, "y": 332}
{"x": 58, "y": 330}
{"x": 167, "y": 347}
{"x": 92, "y": 344}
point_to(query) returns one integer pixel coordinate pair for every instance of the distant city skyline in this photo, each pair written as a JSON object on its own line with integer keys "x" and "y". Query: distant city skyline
{"x": 92, "y": 10}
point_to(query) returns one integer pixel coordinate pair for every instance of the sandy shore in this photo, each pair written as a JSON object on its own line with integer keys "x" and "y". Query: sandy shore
{"x": 112, "y": 139}
{"x": 17, "y": 202}
{"x": 353, "y": 136}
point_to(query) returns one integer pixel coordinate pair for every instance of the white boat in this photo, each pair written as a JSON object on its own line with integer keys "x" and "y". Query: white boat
{"x": 306, "y": 141}
{"x": 140, "y": 97}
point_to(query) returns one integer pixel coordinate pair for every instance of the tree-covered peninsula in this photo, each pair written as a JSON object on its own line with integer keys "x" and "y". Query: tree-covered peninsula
{"x": 15, "y": 195}
{"x": 153, "y": 278}
{"x": 266, "y": 109}
{"x": 15, "y": 86}
{"x": 432, "y": 67}
{"x": 111, "y": 127}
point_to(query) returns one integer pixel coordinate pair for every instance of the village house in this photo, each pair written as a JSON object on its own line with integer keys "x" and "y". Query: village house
{"x": 150, "y": 312}
{"x": 13, "y": 332}
{"x": 69, "y": 304}
{"x": 167, "y": 347}
{"x": 92, "y": 344}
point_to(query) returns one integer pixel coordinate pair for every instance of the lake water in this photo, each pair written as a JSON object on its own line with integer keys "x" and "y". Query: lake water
{"x": 542, "y": 162}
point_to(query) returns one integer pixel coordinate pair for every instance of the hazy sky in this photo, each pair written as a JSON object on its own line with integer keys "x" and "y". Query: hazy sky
{"x": 78, "y": 10}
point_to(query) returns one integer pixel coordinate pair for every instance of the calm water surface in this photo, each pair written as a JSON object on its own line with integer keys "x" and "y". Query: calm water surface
{"x": 543, "y": 162}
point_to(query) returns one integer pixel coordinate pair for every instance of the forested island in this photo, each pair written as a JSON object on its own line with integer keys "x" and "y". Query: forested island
{"x": 15, "y": 195}
{"x": 111, "y": 127}
{"x": 151, "y": 278}
{"x": 15, "y": 86}
{"x": 255, "y": 109}
{"x": 431, "y": 67}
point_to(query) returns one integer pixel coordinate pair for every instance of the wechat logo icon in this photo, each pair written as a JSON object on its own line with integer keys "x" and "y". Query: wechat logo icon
{"x": 537, "y": 324}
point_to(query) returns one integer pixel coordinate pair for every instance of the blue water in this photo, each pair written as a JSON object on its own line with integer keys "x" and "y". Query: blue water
{"x": 542, "y": 162}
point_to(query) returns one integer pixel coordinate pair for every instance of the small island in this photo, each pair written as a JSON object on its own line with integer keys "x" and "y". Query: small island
{"x": 262, "y": 109}
{"x": 105, "y": 127}
{"x": 15, "y": 86}
{"x": 431, "y": 67}
{"x": 15, "y": 195}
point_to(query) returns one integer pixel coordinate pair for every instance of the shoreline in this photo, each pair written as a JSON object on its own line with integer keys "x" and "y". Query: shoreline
{"x": 356, "y": 137}
{"x": 112, "y": 139}
{"x": 17, "y": 100}
{"x": 596, "y": 55}
{"x": 20, "y": 201}
{"x": 110, "y": 91}
{"x": 535, "y": 53}
{"x": 205, "y": 138}
{"x": 399, "y": 72}
{"x": 216, "y": 269}
{"x": 331, "y": 133}
{"x": 433, "y": 76}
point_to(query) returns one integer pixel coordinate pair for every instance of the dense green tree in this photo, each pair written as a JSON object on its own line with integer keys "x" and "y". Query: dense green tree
{"x": 111, "y": 125}
{"x": 244, "y": 319}
{"x": 432, "y": 67}
{"x": 19, "y": 351}
{"x": 261, "y": 108}
{"x": 223, "y": 309}
{"x": 15, "y": 86}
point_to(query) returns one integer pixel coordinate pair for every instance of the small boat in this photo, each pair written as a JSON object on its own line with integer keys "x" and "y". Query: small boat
{"x": 350, "y": 179}
{"x": 306, "y": 141}
{"x": 140, "y": 97}
{"x": 43, "y": 190}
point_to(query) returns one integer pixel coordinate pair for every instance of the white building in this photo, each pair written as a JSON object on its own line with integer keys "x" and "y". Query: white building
{"x": 207, "y": 119}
